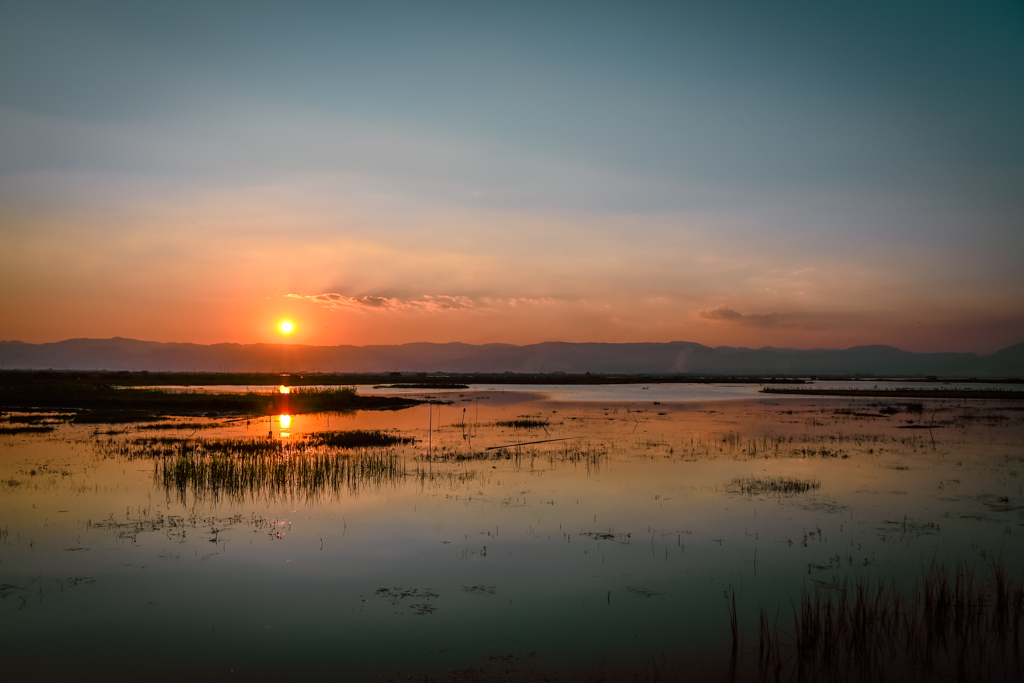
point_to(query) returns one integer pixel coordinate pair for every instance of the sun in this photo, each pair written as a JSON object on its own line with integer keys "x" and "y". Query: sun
{"x": 286, "y": 327}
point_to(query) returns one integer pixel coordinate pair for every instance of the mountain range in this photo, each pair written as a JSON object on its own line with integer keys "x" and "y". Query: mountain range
{"x": 644, "y": 358}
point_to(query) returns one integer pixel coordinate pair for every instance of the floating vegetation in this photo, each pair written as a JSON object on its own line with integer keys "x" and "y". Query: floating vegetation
{"x": 954, "y": 626}
{"x": 446, "y": 454}
{"x": 358, "y": 439}
{"x": 396, "y": 595}
{"x": 607, "y": 536}
{"x": 822, "y": 452}
{"x": 523, "y": 423}
{"x": 781, "y": 486}
{"x": 574, "y": 453}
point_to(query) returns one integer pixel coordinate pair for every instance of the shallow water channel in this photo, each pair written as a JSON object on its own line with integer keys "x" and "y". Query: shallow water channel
{"x": 527, "y": 534}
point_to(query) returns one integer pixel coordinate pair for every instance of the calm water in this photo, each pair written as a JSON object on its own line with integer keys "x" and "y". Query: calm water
{"x": 608, "y": 548}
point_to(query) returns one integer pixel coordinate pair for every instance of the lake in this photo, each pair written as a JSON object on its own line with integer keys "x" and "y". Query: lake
{"x": 528, "y": 533}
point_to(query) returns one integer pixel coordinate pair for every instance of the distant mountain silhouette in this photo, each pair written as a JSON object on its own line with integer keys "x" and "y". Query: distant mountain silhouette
{"x": 651, "y": 358}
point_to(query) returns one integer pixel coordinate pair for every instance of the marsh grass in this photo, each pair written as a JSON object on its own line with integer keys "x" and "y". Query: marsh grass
{"x": 523, "y": 423}
{"x": 249, "y": 469}
{"x": 160, "y": 426}
{"x": 782, "y": 486}
{"x": 590, "y": 455}
{"x": 272, "y": 476}
{"x": 31, "y": 429}
{"x": 951, "y": 625}
{"x": 103, "y": 398}
{"x": 358, "y": 439}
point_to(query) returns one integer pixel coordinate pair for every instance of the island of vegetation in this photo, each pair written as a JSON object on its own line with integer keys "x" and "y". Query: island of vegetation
{"x": 114, "y": 397}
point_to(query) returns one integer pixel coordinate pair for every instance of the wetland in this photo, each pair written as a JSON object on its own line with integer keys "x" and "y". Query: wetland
{"x": 512, "y": 532}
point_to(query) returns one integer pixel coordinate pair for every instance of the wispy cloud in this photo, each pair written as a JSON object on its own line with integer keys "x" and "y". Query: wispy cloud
{"x": 337, "y": 301}
{"x": 429, "y": 303}
{"x": 726, "y": 314}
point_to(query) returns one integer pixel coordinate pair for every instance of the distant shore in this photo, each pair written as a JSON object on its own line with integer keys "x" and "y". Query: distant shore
{"x": 875, "y": 392}
{"x": 445, "y": 379}
{"x": 113, "y": 397}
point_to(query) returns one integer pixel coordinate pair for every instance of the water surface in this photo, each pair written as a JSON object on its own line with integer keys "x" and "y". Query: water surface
{"x": 607, "y": 541}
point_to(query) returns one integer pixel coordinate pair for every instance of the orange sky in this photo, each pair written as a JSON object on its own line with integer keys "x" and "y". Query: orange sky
{"x": 823, "y": 176}
{"x": 248, "y": 259}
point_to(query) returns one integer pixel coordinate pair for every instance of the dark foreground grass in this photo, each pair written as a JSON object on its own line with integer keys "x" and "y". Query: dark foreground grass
{"x": 953, "y": 626}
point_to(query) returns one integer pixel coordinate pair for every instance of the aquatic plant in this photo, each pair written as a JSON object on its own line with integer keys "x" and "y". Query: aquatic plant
{"x": 783, "y": 486}
{"x": 950, "y": 625}
{"x": 250, "y": 475}
{"x": 249, "y": 468}
{"x": 358, "y": 439}
{"x": 523, "y": 423}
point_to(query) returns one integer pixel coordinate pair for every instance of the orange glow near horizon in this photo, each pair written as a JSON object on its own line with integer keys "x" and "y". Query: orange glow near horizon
{"x": 284, "y": 390}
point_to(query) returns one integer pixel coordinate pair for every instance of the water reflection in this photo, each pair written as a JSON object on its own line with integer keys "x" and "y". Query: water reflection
{"x": 537, "y": 532}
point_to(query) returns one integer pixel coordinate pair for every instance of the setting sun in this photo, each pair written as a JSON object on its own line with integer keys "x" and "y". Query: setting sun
{"x": 286, "y": 327}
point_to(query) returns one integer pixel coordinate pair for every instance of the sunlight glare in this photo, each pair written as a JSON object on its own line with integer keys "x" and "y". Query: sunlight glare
{"x": 284, "y": 390}
{"x": 286, "y": 327}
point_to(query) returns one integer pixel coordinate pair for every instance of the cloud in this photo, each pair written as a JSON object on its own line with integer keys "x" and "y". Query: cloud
{"x": 337, "y": 301}
{"x": 428, "y": 303}
{"x": 727, "y": 314}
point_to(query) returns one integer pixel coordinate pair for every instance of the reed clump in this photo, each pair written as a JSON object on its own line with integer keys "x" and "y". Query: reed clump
{"x": 523, "y": 423}
{"x": 358, "y": 439}
{"x": 243, "y": 469}
{"x": 782, "y": 486}
{"x": 952, "y": 625}
{"x": 281, "y": 474}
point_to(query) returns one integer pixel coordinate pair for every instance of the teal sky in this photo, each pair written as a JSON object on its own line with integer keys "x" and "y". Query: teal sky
{"x": 805, "y": 174}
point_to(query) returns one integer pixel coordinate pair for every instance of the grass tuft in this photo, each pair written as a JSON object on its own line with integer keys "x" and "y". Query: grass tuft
{"x": 783, "y": 486}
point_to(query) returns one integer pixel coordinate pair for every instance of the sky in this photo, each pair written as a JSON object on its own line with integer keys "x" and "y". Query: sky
{"x": 799, "y": 174}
